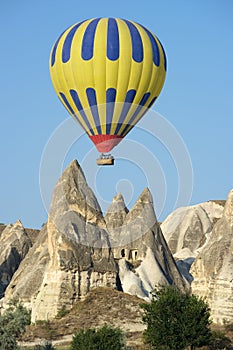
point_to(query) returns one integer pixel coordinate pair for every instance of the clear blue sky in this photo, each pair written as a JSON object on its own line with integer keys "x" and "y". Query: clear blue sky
{"x": 197, "y": 98}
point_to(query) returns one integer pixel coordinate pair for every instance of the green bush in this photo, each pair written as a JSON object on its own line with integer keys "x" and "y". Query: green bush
{"x": 176, "y": 321}
{"x": 13, "y": 324}
{"x": 62, "y": 312}
{"x": 105, "y": 338}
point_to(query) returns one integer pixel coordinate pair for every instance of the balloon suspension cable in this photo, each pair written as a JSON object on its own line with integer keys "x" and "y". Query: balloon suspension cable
{"x": 105, "y": 159}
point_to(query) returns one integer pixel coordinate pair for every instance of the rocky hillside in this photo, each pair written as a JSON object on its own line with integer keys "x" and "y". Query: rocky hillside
{"x": 213, "y": 269}
{"x": 143, "y": 257}
{"x": 15, "y": 244}
{"x": 79, "y": 249}
{"x": 188, "y": 229}
{"x": 101, "y": 306}
{"x": 201, "y": 239}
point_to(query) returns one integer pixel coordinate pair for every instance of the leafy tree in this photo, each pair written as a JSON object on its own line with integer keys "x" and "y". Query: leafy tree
{"x": 13, "y": 324}
{"x": 105, "y": 338}
{"x": 175, "y": 320}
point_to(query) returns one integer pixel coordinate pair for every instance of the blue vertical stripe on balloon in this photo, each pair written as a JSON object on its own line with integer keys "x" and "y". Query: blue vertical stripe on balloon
{"x": 88, "y": 40}
{"x": 112, "y": 40}
{"x": 53, "y": 55}
{"x": 144, "y": 99}
{"x": 152, "y": 101}
{"x": 79, "y": 106}
{"x": 137, "y": 46}
{"x": 66, "y": 102}
{"x": 164, "y": 55}
{"x": 110, "y": 100}
{"x": 134, "y": 116}
{"x": 69, "y": 107}
{"x": 155, "y": 49}
{"x": 66, "y": 49}
{"x": 91, "y": 96}
{"x": 127, "y": 104}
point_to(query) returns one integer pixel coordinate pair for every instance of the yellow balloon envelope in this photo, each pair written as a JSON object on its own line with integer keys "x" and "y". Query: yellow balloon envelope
{"x": 107, "y": 72}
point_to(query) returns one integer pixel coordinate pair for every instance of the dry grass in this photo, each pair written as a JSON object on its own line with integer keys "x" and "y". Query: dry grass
{"x": 102, "y": 306}
{"x": 2, "y": 227}
{"x": 218, "y": 201}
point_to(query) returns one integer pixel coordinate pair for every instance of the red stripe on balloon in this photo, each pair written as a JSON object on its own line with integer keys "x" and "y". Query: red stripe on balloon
{"x": 105, "y": 143}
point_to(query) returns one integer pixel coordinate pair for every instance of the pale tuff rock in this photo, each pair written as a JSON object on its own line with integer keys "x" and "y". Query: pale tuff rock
{"x": 80, "y": 256}
{"x": 15, "y": 244}
{"x": 140, "y": 220}
{"x": 152, "y": 273}
{"x": 72, "y": 195}
{"x": 72, "y": 253}
{"x": 76, "y": 220}
{"x": 143, "y": 256}
{"x": 190, "y": 232}
{"x": 212, "y": 270}
{"x": 187, "y": 229}
{"x": 130, "y": 282}
{"x": 141, "y": 281}
{"x": 228, "y": 209}
{"x": 79, "y": 250}
{"x": 116, "y": 213}
{"x": 27, "y": 280}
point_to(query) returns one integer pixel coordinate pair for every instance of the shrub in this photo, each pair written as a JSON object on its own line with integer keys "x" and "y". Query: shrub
{"x": 13, "y": 324}
{"x": 105, "y": 338}
{"x": 62, "y": 312}
{"x": 175, "y": 320}
{"x": 46, "y": 346}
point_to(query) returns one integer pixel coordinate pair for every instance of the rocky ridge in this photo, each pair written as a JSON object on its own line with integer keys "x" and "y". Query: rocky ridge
{"x": 15, "y": 244}
{"x": 139, "y": 247}
{"x": 212, "y": 270}
{"x": 188, "y": 230}
{"x": 80, "y": 249}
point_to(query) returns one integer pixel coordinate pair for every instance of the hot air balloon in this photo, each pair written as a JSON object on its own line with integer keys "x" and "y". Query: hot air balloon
{"x": 107, "y": 72}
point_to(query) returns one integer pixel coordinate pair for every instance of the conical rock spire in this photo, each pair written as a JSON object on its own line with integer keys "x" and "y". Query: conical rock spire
{"x": 79, "y": 249}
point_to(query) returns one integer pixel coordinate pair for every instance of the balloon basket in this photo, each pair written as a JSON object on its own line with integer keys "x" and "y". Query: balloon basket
{"x": 105, "y": 159}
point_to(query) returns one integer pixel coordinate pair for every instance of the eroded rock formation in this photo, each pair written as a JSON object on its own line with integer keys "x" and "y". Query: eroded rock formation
{"x": 70, "y": 256}
{"x": 79, "y": 249}
{"x": 138, "y": 245}
{"x": 188, "y": 229}
{"x": 213, "y": 268}
{"x": 15, "y": 244}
